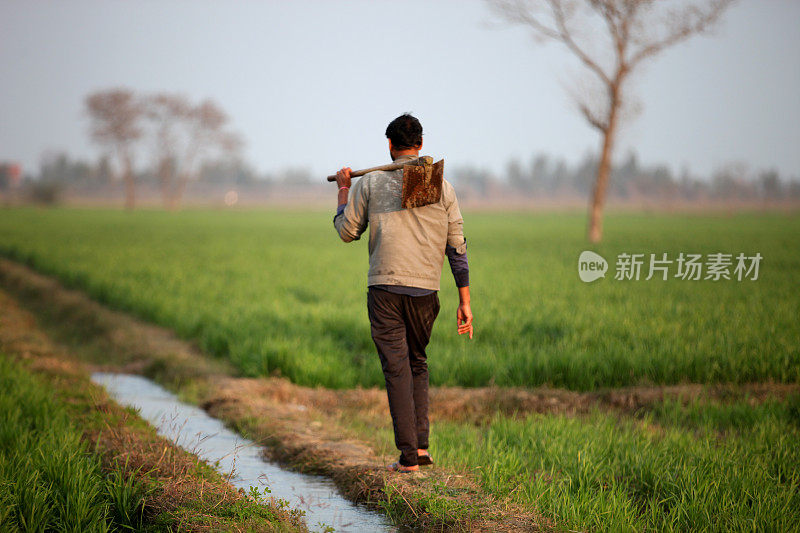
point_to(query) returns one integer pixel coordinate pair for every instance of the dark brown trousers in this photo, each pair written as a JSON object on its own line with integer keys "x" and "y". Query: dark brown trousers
{"x": 401, "y": 328}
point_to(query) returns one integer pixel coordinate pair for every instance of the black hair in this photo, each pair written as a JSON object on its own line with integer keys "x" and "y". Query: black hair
{"x": 405, "y": 132}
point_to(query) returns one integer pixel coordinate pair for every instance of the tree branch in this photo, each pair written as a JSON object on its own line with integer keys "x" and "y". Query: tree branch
{"x": 597, "y": 123}
{"x": 684, "y": 23}
{"x": 516, "y": 11}
{"x": 565, "y": 36}
{"x": 519, "y": 12}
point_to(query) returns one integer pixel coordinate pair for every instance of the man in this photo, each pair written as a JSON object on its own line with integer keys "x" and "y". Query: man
{"x": 406, "y": 252}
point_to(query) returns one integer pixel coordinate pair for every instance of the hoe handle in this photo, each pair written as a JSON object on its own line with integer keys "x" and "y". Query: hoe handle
{"x": 390, "y": 166}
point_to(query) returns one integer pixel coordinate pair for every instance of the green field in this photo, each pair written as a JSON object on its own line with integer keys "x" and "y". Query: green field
{"x": 49, "y": 478}
{"x": 276, "y": 292}
{"x": 702, "y": 467}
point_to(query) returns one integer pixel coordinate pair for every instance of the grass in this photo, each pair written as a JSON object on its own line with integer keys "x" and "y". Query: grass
{"x": 72, "y": 460}
{"x": 446, "y": 513}
{"x": 277, "y": 293}
{"x": 708, "y": 465}
{"x": 49, "y": 479}
{"x": 680, "y": 468}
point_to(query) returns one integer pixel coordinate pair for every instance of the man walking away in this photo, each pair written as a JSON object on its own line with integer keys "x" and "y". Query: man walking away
{"x": 406, "y": 252}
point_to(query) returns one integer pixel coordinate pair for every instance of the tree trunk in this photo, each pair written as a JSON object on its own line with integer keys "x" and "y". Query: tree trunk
{"x": 165, "y": 175}
{"x": 130, "y": 186}
{"x": 180, "y": 188}
{"x": 173, "y": 202}
{"x": 595, "y": 228}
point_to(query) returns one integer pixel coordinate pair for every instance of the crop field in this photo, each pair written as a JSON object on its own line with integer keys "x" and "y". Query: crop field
{"x": 679, "y": 468}
{"x": 277, "y": 293}
{"x": 49, "y": 480}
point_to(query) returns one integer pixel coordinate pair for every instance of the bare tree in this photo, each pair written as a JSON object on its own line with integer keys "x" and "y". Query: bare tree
{"x": 115, "y": 123}
{"x": 610, "y": 38}
{"x": 184, "y": 134}
{"x": 166, "y": 113}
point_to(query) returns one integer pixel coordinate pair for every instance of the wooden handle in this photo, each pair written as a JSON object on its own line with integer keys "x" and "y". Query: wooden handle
{"x": 390, "y": 166}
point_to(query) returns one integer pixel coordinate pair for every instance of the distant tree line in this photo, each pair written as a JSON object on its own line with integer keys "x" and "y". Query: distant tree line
{"x": 542, "y": 177}
{"x": 547, "y": 177}
{"x": 167, "y": 141}
{"x": 60, "y": 168}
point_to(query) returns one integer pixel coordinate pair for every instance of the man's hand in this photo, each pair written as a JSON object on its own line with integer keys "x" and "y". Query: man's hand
{"x": 464, "y": 319}
{"x": 343, "y": 177}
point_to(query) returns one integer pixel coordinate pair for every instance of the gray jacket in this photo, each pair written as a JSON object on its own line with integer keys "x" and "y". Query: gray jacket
{"x": 406, "y": 246}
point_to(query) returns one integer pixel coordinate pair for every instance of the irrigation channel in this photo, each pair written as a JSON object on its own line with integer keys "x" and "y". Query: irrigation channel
{"x": 192, "y": 429}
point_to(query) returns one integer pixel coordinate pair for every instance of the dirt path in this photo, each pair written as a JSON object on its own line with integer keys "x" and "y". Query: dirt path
{"x": 308, "y": 427}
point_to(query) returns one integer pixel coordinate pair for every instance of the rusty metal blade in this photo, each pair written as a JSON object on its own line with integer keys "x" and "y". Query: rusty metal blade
{"x": 422, "y": 184}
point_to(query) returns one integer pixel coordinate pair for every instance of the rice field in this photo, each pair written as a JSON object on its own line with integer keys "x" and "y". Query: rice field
{"x": 697, "y": 467}
{"x": 277, "y": 293}
{"x": 49, "y": 478}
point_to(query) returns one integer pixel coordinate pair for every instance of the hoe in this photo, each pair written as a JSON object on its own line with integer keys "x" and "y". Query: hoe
{"x": 422, "y": 180}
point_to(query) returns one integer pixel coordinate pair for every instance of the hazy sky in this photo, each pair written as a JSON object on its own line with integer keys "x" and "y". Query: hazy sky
{"x": 314, "y": 84}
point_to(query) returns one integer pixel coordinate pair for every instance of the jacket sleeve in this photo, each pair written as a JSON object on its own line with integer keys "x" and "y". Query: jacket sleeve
{"x": 459, "y": 266}
{"x": 352, "y": 222}
{"x": 455, "y": 223}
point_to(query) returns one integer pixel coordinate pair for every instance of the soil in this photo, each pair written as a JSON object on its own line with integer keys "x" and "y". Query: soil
{"x": 303, "y": 426}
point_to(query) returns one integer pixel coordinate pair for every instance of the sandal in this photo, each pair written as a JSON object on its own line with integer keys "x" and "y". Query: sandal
{"x": 402, "y": 469}
{"x": 424, "y": 460}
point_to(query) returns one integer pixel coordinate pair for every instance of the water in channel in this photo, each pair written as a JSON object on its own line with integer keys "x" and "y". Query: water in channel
{"x": 194, "y": 430}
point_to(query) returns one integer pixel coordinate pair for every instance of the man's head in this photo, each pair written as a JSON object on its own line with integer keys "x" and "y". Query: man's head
{"x": 405, "y": 135}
